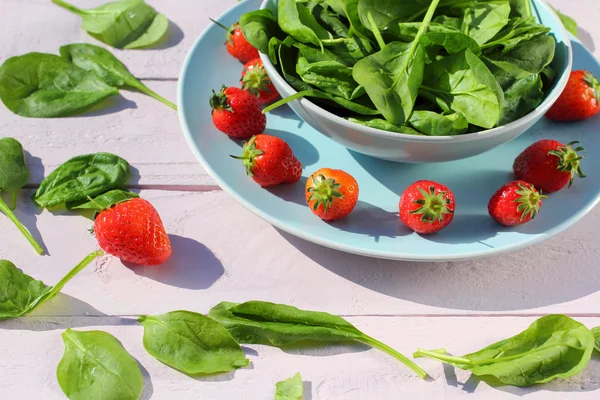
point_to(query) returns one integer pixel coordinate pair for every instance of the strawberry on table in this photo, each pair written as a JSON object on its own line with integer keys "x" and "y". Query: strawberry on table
{"x": 515, "y": 203}
{"x": 270, "y": 161}
{"x": 237, "y": 113}
{"x": 549, "y": 165}
{"x": 579, "y": 100}
{"x": 133, "y": 231}
{"x": 331, "y": 194}
{"x": 427, "y": 207}
{"x": 236, "y": 43}
{"x": 256, "y": 81}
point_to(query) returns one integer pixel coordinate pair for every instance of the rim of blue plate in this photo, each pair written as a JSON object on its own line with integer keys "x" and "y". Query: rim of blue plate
{"x": 329, "y": 243}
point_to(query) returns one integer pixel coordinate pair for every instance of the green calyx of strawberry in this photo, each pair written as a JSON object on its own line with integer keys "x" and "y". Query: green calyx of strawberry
{"x": 592, "y": 82}
{"x": 529, "y": 201}
{"x": 324, "y": 191}
{"x": 229, "y": 30}
{"x": 249, "y": 155}
{"x": 569, "y": 160}
{"x": 255, "y": 80}
{"x": 218, "y": 101}
{"x": 433, "y": 206}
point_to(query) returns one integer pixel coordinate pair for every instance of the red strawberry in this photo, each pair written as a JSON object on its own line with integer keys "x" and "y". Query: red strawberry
{"x": 549, "y": 165}
{"x": 133, "y": 231}
{"x": 236, "y": 43}
{"x": 427, "y": 207}
{"x": 270, "y": 161}
{"x": 237, "y": 113}
{"x": 579, "y": 100}
{"x": 515, "y": 203}
{"x": 331, "y": 194}
{"x": 256, "y": 81}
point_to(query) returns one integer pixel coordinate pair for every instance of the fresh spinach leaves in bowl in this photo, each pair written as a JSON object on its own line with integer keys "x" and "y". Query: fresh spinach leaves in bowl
{"x": 437, "y": 68}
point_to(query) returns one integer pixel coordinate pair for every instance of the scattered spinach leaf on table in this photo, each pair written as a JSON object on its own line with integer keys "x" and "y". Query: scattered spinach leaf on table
{"x": 81, "y": 177}
{"x": 554, "y": 346}
{"x": 126, "y": 24}
{"x": 290, "y": 389}
{"x": 191, "y": 343}
{"x": 259, "y": 322}
{"x": 569, "y": 23}
{"x": 20, "y": 294}
{"x": 14, "y": 174}
{"x": 596, "y": 332}
{"x": 44, "y": 85}
{"x": 96, "y": 366}
{"x": 92, "y": 58}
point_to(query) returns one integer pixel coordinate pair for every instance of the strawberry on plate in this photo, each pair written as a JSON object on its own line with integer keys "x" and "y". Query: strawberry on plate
{"x": 270, "y": 161}
{"x": 236, "y": 43}
{"x": 579, "y": 100}
{"x": 515, "y": 203}
{"x": 427, "y": 207}
{"x": 133, "y": 231}
{"x": 331, "y": 194}
{"x": 237, "y": 113}
{"x": 256, "y": 81}
{"x": 549, "y": 165}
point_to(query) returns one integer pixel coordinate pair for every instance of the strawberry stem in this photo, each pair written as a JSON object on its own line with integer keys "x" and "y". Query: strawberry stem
{"x": 219, "y": 24}
{"x": 529, "y": 202}
{"x": 570, "y": 160}
{"x": 249, "y": 154}
{"x": 324, "y": 191}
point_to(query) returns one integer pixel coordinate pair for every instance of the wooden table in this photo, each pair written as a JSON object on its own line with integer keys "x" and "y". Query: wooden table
{"x": 461, "y": 306}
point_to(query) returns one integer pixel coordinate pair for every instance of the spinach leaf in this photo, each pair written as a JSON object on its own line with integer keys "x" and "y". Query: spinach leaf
{"x": 259, "y": 27}
{"x": 101, "y": 61}
{"x": 290, "y": 389}
{"x": 80, "y": 177}
{"x": 388, "y": 12}
{"x": 516, "y": 31}
{"x": 104, "y": 201}
{"x": 259, "y": 322}
{"x": 462, "y": 83}
{"x": 434, "y": 124}
{"x": 14, "y": 174}
{"x": 96, "y": 366}
{"x": 449, "y": 22}
{"x": 298, "y": 22}
{"x": 329, "y": 76}
{"x": 526, "y": 58}
{"x": 523, "y": 96}
{"x": 392, "y": 76}
{"x": 44, "y": 85}
{"x": 20, "y": 294}
{"x": 312, "y": 55}
{"x": 379, "y": 123}
{"x": 484, "y": 20}
{"x": 122, "y": 24}
{"x": 353, "y": 15}
{"x": 596, "y": 332}
{"x": 452, "y": 42}
{"x": 191, "y": 343}
{"x": 552, "y": 347}
{"x": 520, "y": 8}
{"x": 569, "y": 23}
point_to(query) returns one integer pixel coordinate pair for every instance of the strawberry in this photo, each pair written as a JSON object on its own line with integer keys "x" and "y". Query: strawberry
{"x": 426, "y": 207}
{"x": 133, "y": 231}
{"x": 237, "y": 113}
{"x": 515, "y": 203}
{"x": 579, "y": 100}
{"x": 236, "y": 43}
{"x": 270, "y": 161}
{"x": 256, "y": 81}
{"x": 549, "y": 165}
{"x": 331, "y": 194}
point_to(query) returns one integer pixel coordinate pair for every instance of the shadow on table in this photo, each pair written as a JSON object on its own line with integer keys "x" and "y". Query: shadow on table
{"x": 586, "y": 38}
{"x": 509, "y": 282}
{"x": 173, "y": 37}
{"x": 192, "y": 266}
{"x": 64, "y": 312}
{"x": 325, "y": 349}
{"x": 110, "y": 105}
{"x": 148, "y": 389}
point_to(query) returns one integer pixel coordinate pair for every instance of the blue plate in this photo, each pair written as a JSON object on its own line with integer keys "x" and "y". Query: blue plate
{"x": 374, "y": 229}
